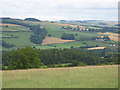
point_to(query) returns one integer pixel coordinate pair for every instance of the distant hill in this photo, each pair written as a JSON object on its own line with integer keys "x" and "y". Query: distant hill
{"x": 31, "y": 19}
{"x": 89, "y": 22}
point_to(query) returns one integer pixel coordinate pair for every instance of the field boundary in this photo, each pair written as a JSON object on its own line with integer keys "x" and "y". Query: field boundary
{"x": 82, "y": 67}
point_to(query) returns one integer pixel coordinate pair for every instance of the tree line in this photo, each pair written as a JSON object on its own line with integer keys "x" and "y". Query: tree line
{"x": 39, "y": 34}
{"x": 28, "y": 57}
{"x": 103, "y": 29}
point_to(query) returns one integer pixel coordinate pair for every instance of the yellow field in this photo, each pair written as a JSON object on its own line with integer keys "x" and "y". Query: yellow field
{"x": 10, "y": 30}
{"x": 112, "y": 36}
{"x": 52, "y": 40}
{"x": 2, "y": 24}
{"x": 67, "y": 25}
{"x": 96, "y": 48}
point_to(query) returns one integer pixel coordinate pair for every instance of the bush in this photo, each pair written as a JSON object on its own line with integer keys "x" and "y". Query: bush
{"x": 7, "y": 45}
{"x": 68, "y": 36}
{"x": 77, "y": 63}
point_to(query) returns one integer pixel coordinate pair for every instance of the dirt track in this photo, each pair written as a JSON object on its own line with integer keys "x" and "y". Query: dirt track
{"x": 83, "y": 67}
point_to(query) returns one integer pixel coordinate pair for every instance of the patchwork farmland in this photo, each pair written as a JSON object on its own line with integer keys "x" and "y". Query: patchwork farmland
{"x": 63, "y": 58}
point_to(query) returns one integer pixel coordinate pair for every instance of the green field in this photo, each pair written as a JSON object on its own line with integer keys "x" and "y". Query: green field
{"x": 15, "y": 28}
{"x": 69, "y": 44}
{"x": 22, "y": 40}
{"x": 74, "y": 77}
{"x": 55, "y": 31}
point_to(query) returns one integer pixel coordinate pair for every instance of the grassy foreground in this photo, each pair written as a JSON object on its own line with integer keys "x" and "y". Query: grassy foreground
{"x": 75, "y": 77}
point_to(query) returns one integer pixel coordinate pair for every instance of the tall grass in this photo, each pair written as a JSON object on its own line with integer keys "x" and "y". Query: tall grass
{"x": 77, "y": 77}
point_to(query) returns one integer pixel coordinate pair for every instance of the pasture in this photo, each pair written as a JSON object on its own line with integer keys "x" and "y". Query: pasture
{"x": 54, "y": 29}
{"x": 12, "y": 28}
{"x": 69, "y": 77}
{"x": 69, "y": 44}
{"x": 21, "y": 40}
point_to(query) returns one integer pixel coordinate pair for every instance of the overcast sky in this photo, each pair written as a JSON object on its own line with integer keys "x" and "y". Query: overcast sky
{"x": 61, "y": 9}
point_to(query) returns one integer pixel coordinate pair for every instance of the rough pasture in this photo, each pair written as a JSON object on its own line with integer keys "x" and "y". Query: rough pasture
{"x": 73, "y": 77}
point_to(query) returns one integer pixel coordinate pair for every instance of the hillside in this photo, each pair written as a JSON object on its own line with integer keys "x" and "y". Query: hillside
{"x": 55, "y": 54}
{"x": 84, "y": 34}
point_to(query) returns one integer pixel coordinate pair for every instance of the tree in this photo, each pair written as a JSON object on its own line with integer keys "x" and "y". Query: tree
{"x": 24, "y": 58}
{"x": 6, "y": 26}
{"x": 106, "y": 38}
{"x": 78, "y": 28}
{"x": 68, "y": 36}
{"x": 49, "y": 35}
{"x": 7, "y": 45}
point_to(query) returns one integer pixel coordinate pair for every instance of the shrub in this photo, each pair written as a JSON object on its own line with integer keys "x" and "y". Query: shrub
{"x": 68, "y": 36}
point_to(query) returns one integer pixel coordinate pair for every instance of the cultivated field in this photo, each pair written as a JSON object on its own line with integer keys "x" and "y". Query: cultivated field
{"x": 96, "y": 48}
{"x": 52, "y": 40}
{"x": 112, "y": 36}
{"x": 71, "y": 77}
{"x": 3, "y": 24}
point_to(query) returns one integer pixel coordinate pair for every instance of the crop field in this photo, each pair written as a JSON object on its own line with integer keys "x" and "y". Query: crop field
{"x": 112, "y": 36}
{"x": 96, "y": 48}
{"x": 3, "y": 24}
{"x": 69, "y": 77}
{"x": 52, "y": 40}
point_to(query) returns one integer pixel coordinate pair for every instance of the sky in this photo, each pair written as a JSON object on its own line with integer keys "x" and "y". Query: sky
{"x": 106, "y": 10}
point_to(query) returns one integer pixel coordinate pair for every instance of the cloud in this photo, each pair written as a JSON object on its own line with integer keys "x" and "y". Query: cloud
{"x": 61, "y": 9}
